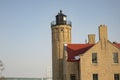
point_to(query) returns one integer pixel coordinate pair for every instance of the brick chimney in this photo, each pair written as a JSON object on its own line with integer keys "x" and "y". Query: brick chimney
{"x": 91, "y": 39}
{"x": 103, "y": 35}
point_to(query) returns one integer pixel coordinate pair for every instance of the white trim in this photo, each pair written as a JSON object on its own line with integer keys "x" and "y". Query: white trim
{"x": 77, "y": 57}
{"x": 65, "y": 44}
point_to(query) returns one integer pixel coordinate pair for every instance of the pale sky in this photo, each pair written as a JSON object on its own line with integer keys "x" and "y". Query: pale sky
{"x": 25, "y": 31}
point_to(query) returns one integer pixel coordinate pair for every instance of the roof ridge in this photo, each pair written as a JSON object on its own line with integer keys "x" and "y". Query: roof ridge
{"x": 117, "y": 45}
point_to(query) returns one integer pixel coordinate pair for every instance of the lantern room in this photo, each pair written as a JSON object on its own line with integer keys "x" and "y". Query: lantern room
{"x": 61, "y": 19}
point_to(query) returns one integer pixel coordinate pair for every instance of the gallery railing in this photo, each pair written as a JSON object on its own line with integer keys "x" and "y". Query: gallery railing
{"x": 53, "y": 23}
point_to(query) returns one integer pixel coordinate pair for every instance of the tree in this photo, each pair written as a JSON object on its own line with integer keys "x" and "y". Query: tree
{"x": 1, "y": 69}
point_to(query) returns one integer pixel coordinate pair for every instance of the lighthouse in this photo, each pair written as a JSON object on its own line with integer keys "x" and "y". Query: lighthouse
{"x": 61, "y": 34}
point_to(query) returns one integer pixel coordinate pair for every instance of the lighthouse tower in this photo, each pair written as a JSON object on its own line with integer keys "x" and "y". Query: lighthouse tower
{"x": 61, "y": 34}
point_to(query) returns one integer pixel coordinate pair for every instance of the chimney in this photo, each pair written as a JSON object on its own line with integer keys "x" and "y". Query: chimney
{"x": 91, "y": 39}
{"x": 103, "y": 36}
{"x": 103, "y": 32}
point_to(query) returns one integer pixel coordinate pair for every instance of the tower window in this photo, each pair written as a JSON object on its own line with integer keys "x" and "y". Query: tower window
{"x": 94, "y": 57}
{"x": 116, "y": 76}
{"x": 115, "y": 57}
{"x": 72, "y": 77}
{"x": 95, "y": 76}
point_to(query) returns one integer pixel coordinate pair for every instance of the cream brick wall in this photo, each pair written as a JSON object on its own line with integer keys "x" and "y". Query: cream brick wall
{"x": 105, "y": 66}
{"x": 61, "y": 34}
{"x": 69, "y": 67}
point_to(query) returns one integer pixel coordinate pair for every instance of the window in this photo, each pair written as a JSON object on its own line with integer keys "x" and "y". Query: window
{"x": 64, "y": 77}
{"x": 95, "y": 76}
{"x": 115, "y": 57}
{"x": 94, "y": 57}
{"x": 72, "y": 77}
{"x": 116, "y": 77}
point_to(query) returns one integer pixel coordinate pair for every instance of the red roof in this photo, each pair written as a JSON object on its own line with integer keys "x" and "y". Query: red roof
{"x": 117, "y": 45}
{"x": 76, "y": 49}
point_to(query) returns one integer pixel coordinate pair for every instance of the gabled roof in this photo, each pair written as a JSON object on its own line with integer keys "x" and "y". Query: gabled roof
{"x": 74, "y": 50}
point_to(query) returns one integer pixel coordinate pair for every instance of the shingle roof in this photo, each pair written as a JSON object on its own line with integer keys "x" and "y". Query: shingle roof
{"x": 74, "y": 50}
{"x": 117, "y": 45}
